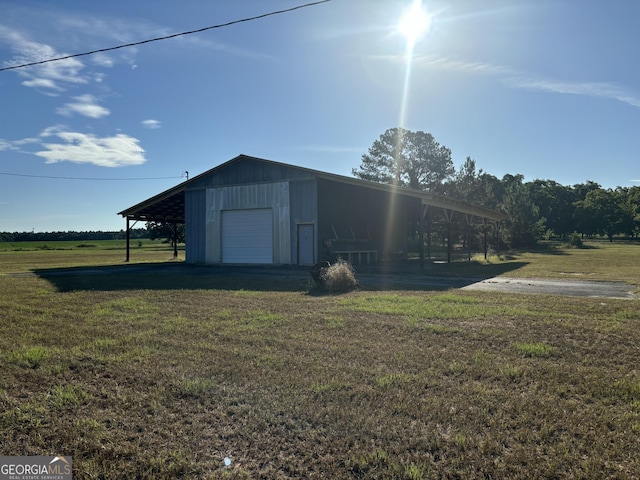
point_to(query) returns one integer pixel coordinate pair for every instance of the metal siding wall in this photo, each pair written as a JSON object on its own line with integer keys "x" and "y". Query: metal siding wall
{"x": 303, "y": 196}
{"x": 247, "y": 170}
{"x": 241, "y": 197}
{"x": 195, "y": 207}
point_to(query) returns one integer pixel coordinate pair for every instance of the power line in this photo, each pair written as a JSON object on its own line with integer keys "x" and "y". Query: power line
{"x": 234, "y": 22}
{"x": 87, "y": 178}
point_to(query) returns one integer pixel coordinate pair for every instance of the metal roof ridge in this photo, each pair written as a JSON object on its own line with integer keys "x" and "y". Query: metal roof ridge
{"x": 435, "y": 199}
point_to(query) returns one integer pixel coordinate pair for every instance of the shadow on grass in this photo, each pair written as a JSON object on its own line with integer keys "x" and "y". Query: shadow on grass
{"x": 474, "y": 269}
{"x": 181, "y": 276}
{"x": 432, "y": 276}
{"x": 175, "y": 276}
{"x": 556, "y": 247}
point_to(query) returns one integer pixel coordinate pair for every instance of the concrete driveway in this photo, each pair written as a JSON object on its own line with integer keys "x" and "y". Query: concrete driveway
{"x": 504, "y": 284}
{"x": 556, "y": 287}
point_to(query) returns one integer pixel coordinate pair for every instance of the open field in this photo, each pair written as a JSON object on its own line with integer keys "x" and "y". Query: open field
{"x": 27, "y": 256}
{"x": 165, "y": 377}
{"x": 599, "y": 260}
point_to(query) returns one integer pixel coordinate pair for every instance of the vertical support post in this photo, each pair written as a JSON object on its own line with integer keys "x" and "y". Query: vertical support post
{"x": 448, "y": 216}
{"x": 448, "y": 242}
{"x": 128, "y": 237}
{"x": 485, "y": 246}
{"x": 420, "y": 237}
{"x": 175, "y": 240}
{"x": 428, "y": 218}
{"x": 497, "y": 223}
{"x": 469, "y": 219}
{"x": 421, "y": 212}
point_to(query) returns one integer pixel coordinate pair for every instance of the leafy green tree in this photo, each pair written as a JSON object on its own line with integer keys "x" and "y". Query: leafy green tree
{"x": 602, "y": 213}
{"x": 466, "y": 183}
{"x": 164, "y": 230}
{"x": 492, "y": 189}
{"x": 585, "y": 224}
{"x": 555, "y": 203}
{"x": 405, "y": 158}
{"x": 629, "y": 209}
{"x": 633, "y": 201}
{"x": 475, "y": 187}
{"x": 524, "y": 226}
{"x": 581, "y": 189}
{"x": 72, "y": 236}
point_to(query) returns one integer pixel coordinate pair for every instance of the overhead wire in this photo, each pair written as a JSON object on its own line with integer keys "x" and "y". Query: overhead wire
{"x": 132, "y": 44}
{"x": 166, "y": 37}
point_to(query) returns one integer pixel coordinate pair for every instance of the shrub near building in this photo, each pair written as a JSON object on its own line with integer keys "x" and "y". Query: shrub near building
{"x": 339, "y": 277}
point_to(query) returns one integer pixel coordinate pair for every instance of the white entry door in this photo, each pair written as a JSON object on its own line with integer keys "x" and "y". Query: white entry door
{"x": 247, "y": 236}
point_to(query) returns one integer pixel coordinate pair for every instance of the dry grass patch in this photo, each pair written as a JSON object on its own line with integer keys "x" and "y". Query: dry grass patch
{"x": 338, "y": 278}
{"x": 166, "y": 383}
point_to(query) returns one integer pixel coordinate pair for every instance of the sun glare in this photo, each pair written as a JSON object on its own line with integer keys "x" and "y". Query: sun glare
{"x": 414, "y": 22}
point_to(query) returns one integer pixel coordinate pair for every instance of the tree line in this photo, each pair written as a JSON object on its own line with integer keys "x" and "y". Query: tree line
{"x": 135, "y": 233}
{"x": 153, "y": 231}
{"x": 535, "y": 210}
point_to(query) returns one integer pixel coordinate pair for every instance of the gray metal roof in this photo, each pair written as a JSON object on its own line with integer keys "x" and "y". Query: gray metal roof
{"x": 169, "y": 205}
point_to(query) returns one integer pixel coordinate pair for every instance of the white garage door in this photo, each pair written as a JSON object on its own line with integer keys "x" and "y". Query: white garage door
{"x": 247, "y": 236}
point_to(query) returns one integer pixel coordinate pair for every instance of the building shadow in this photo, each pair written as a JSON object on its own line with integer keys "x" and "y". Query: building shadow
{"x": 173, "y": 276}
{"x": 182, "y": 276}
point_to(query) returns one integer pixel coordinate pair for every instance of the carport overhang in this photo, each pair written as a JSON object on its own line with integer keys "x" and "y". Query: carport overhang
{"x": 472, "y": 214}
{"x": 166, "y": 207}
{"x": 428, "y": 199}
{"x": 430, "y": 202}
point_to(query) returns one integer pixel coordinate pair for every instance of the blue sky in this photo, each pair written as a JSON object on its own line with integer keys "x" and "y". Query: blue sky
{"x": 544, "y": 88}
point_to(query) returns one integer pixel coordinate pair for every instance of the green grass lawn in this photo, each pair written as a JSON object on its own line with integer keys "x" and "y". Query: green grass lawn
{"x": 168, "y": 376}
{"x": 28, "y": 256}
{"x": 598, "y": 260}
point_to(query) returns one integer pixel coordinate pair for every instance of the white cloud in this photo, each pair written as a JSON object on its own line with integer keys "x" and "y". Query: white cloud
{"x": 26, "y": 141}
{"x": 51, "y": 131}
{"x": 117, "y": 151}
{"x": 151, "y": 124}
{"x": 42, "y": 83}
{"x": 592, "y": 89}
{"x": 201, "y": 42}
{"x": 450, "y": 64}
{"x": 16, "y": 145}
{"x": 48, "y": 33}
{"x": 85, "y": 105}
{"x": 62, "y": 71}
{"x": 48, "y": 76}
{"x": 524, "y": 80}
{"x": 102, "y": 60}
{"x": 111, "y": 151}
